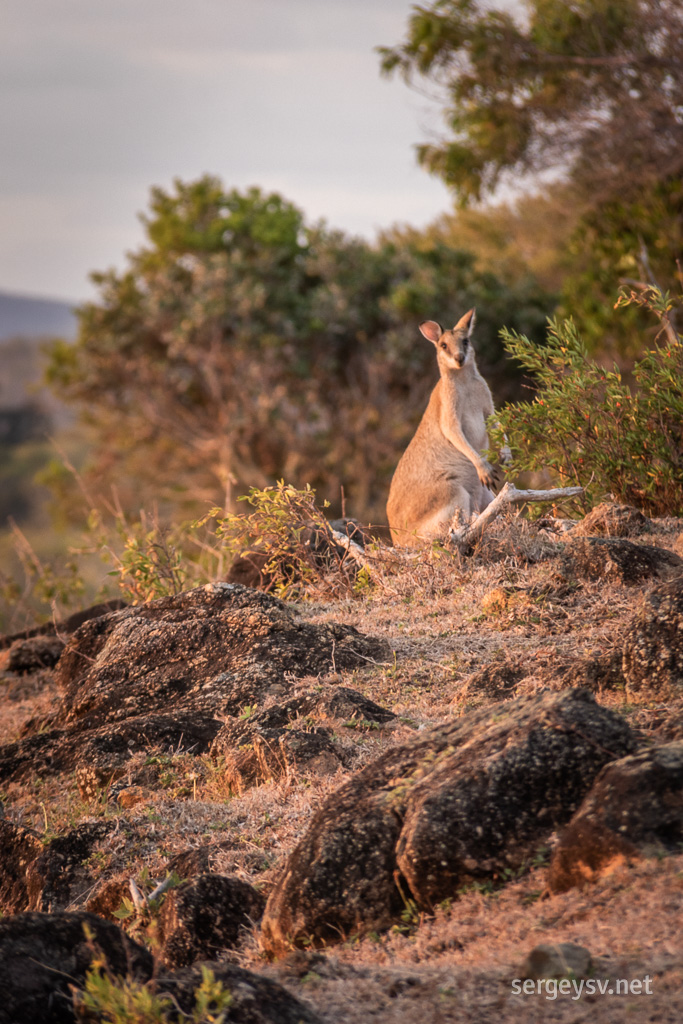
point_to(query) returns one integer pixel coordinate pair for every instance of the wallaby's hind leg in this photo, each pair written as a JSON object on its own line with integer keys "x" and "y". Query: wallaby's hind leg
{"x": 484, "y": 498}
{"x": 438, "y": 525}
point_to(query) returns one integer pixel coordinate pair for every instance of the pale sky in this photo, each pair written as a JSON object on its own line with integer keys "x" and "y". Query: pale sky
{"x": 101, "y": 99}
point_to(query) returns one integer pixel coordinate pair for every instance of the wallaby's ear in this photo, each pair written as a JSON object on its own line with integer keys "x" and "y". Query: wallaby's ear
{"x": 431, "y": 331}
{"x": 466, "y": 323}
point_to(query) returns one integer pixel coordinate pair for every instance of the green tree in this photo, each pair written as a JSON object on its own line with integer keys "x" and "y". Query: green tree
{"x": 589, "y": 90}
{"x": 242, "y": 345}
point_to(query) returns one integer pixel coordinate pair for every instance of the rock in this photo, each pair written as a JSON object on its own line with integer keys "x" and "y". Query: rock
{"x": 204, "y": 916}
{"x": 44, "y": 955}
{"x": 617, "y": 559}
{"x": 264, "y": 746}
{"x": 19, "y": 847}
{"x": 336, "y": 703}
{"x": 210, "y": 650}
{"x": 496, "y": 681}
{"x": 100, "y": 756}
{"x": 34, "y": 876}
{"x": 560, "y": 960}
{"x": 634, "y": 808}
{"x": 254, "y": 999}
{"x": 464, "y": 800}
{"x": 57, "y": 878}
{"x": 653, "y": 647}
{"x": 65, "y": 626}
{"x": 35, "y": 653}
{"x": 610, "y": 520}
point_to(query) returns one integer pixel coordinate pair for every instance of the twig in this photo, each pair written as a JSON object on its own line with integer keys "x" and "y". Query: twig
{"x": 466, "y": 536}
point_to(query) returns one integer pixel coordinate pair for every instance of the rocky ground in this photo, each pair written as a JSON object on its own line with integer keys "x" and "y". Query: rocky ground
{"x": 405, "y": 805}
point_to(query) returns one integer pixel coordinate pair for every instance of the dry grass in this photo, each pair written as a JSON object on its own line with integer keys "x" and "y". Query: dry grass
{"x": 444, "y": 619}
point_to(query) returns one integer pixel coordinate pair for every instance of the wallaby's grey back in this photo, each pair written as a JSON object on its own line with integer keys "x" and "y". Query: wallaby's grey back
{"x": 442, "y": 469}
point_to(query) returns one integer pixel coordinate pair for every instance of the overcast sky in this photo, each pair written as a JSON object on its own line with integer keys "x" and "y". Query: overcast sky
{"x": 102, "y": 99}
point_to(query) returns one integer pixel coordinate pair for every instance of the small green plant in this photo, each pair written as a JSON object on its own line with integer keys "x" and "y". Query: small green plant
{"x": 589, "y": 427}
{"x": 293, "y": 539}
{"x": 106, "y": 998}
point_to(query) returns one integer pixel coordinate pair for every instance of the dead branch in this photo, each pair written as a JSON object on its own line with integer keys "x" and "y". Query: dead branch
{"x": 467, "y": 535}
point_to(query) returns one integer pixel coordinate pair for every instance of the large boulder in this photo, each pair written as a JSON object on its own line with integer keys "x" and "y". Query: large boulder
{"x": 210, "y": 650}
{"x": 465, "y": 800}
{"x": 44, "y": 955}
{"x": 634, "y": 808}
{"x": 653, "y": 647}
{"x": 169, "y": 672}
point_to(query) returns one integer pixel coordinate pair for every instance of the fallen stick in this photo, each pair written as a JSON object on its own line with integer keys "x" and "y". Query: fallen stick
{"x": 466, "y": 536}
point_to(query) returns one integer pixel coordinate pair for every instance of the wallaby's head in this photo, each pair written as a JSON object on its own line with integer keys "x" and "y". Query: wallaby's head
{"x": 454, "y": 347}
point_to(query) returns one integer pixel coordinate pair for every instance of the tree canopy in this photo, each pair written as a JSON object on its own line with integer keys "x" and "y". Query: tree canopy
{"x": 588, "y": 93}
{"x": 241, "y": 345}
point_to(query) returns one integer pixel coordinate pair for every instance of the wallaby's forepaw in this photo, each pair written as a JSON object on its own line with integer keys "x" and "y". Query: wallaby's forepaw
{"x": 486, "y": 474}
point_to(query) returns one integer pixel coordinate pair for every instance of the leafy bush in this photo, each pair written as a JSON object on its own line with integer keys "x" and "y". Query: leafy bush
{"x": 589, "y": 427}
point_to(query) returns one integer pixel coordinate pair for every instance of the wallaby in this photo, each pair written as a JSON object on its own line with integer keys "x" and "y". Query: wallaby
{"x": 442, "y": 469}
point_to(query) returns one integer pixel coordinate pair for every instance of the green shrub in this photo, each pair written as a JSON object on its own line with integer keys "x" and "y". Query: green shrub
{"x": 588, "y": 427}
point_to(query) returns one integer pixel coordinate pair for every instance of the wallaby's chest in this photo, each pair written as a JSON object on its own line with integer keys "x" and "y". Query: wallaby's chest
{"x": 465, "y": 407}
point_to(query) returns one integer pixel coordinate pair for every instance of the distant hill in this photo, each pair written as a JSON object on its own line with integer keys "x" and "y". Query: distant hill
{"x": 23, "y": 316}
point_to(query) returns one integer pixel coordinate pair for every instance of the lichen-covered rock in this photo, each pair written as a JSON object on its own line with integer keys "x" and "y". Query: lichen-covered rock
{"x": 338, "y": 704}
{"x": 167, "y": 673}
{"x": 254, "y": 999}
{"x": 204, "y": 916}
{"x": 619, "y": 560}
{"x": 100, "y": 755}
{"x": 210, "y": 650}
{"x": 609, "y": 520}
{"x": 44, "y": 955}
{"x": 634, "y": 808}
{"x": 653, "y": 647}
{"x": 464, "y": 800}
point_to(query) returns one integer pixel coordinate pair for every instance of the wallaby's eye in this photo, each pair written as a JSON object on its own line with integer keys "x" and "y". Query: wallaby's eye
{"x": 444, "y": 345}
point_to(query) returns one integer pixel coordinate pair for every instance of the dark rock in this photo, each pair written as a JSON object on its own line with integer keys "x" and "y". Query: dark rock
{"x": 557, "y": 960}
{"x": 464, "y": 800}
{"x": 210, "y": 650}
{"x": 653, "y": 647}
{"x": 337, "y": 703}
{"x": 35, "y": 653}
{"x": 100, "y": 756}
{"x": 496, "y": 681}
{"x": 65, "y": 626}
{"x": 268, "y": 744}
{"x": 57, "y": 877}
{"x": 618, "y": 559}
{"x": 634, "y": 808}
{"x": 19, "y": 847}
{"x": 205, "y": 915}
{"x": 44, "y": 955}
{"x": 46, "y": 877}
{"x": 597, "y": 672}
{"x": 610, "y": 520}
{"x": 255, "y": 1000}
